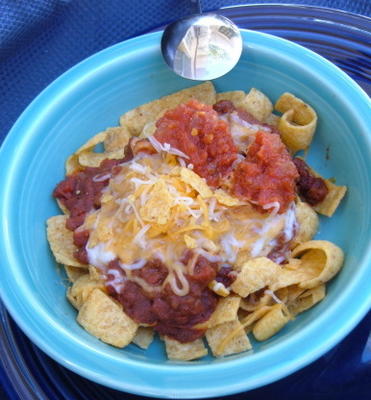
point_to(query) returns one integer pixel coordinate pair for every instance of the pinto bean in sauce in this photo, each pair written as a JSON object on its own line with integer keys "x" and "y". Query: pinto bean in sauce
{"x": 311, "y": 189}
{"x": 226, "y": 276}
{"x": 170, "y": 314}
{"x": 224, "y": 107}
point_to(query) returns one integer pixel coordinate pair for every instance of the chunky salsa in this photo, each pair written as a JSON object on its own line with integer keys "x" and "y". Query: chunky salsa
{"x": 196, "y": 130}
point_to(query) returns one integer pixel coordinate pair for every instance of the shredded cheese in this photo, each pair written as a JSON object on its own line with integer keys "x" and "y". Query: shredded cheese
{"x": 166, "y": 148}
{"x": 139, "y": 238}
{"x": 118, "y": 282}
{"x": 131, "y": 267}
{"x": 272, "y": 294}
{"x": 210, "y": 223}
{"x": 178, "y": 275}
{"x": 101, "y": 177}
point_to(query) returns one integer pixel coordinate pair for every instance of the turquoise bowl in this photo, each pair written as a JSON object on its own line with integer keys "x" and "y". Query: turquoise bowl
{"x": 90, "y": 97}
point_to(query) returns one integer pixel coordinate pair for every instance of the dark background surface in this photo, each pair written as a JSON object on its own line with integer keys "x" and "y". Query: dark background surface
{"x": 40, "y": 39}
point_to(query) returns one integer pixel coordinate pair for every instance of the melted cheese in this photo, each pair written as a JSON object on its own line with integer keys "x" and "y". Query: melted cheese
{"x": 118, "y": 280}
{"x": 216, "y": 226}
{"x": 99, "y": 256}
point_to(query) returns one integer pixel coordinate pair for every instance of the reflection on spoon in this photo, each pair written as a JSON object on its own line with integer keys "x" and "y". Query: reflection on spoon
{"x": 202, "y": 47}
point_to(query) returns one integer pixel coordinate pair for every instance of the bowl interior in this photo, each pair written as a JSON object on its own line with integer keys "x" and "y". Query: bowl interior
{"x": 90, "y": 98}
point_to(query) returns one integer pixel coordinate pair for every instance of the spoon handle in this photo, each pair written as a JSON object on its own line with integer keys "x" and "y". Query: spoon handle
{"x": 197, "y": 6}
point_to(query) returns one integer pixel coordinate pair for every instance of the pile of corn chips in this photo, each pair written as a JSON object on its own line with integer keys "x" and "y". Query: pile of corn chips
{"x": 150, "y": 193}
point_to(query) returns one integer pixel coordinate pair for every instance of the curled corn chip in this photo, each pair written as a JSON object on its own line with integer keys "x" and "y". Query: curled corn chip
{"x": 322, "y": 257}
{"x": 105, "y": 319}
{"x": 298, "y": 122}
{"x": 272, "y": 322}
{"x": 289, "y": 294}
{"x": 237, "y": 97}
{"x": 143, "y": 337}
{"x": 85, "y": 156}
{"x": 61, "y": 241}
{"x": 258, "y": 104}
{"x": 273, "y": 120}
{"x": 333, "y": 198}
{"x": 254, "y": 275}
{"x": 92, "y": 159}
{"x": 307, "y": 299}
{"x": 293, "y": 273}
{"x": 116, "y": 138}
{"x": 74, "y": 273}
{"x": 185, "y": 351}
{"x": 216, "y": 338}
{"x": 235, "y": 333}
{"x": 226, "y": 310}
{"x": 307, "y": 221}
{"x": 330, "y": 203}
{"x": 248, "y": 321}
{"x": 78, "y": 293}
{"x": 255, "y": 301}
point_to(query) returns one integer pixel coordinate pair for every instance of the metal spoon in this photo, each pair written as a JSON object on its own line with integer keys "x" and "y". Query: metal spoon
{"x": 201, "y": 46}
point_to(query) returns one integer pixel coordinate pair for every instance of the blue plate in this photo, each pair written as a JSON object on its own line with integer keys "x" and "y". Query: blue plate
{"x": 90, "y": 97}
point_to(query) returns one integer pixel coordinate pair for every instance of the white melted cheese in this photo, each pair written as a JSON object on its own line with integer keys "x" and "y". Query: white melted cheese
{"x": 263, "y": 245}
{"x": 241, "y": 130}
{"x": 230, "y": 246}
{"x": 118, "y": 280}
{"x": 132, "y": 267}
{"x": 166, "y": 148}
{"x": 99, "y": 256}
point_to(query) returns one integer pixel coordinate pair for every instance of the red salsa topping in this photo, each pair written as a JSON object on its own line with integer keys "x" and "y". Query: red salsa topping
{"x": 267, "y": 174}
{"x": 196, "y": 130}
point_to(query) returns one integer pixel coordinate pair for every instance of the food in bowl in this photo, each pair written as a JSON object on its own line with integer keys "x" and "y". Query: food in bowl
{"x": 196, "y": 221}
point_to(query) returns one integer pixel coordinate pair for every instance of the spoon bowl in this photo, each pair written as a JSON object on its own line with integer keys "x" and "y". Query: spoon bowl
{"x": 202, "y": 47}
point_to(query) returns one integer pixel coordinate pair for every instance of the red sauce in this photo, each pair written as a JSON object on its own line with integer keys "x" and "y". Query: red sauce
{"x": 80, "y": 239}
{"x": 224, "y": 107}
{"x": 267, "y": 174}
{"x": 154, "y": 272}
{"x": 81, "y": 192}
{"x": 311, "y": 189}
{"x": 169, "y": 314}
{"x": 196, "y": 130}
{"x": 226, "y": 276}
